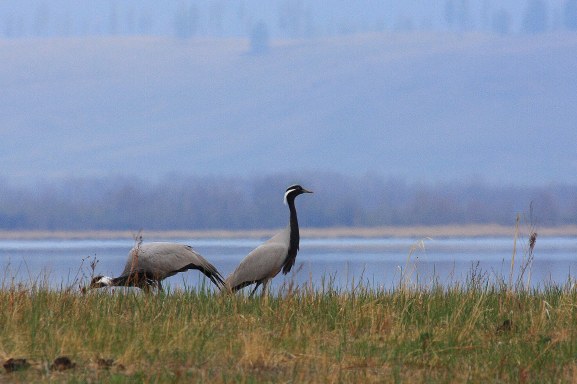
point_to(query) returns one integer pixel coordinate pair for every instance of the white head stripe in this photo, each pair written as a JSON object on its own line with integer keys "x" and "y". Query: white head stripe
{"x": 105, "y": 280}
{"x": 286, "y": 195}
{"x": 290, "y": 189}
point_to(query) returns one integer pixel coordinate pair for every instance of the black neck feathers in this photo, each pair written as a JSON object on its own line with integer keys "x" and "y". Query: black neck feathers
{"x": 294, "y": 237}
{"x": 291, "y": 193}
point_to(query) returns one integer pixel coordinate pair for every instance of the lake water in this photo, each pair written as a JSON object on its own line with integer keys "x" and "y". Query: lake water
{"x": 344, "y": 261}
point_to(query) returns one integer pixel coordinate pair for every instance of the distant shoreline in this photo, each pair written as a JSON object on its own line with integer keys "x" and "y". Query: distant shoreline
{"x": 368, "y": 232}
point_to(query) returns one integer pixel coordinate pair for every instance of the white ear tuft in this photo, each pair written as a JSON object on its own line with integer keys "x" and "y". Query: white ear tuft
{"x": 286, "y": 195}
{"x": 105, "y": 280}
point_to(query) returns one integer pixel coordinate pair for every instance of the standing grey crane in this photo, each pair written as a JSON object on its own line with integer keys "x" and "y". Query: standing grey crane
{"x": 148, "y": 264}
{"x": 279, "y": 252}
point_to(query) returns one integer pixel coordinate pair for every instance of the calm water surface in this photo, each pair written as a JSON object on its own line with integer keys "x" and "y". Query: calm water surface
{"x": 344, "y": 261}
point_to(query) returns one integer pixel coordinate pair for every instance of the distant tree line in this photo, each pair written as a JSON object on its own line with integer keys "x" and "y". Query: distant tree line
{"x": 176, "y": 202}
{"x": 280, "y": 18}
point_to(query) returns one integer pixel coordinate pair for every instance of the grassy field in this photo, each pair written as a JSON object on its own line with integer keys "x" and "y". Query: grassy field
{"x": 469, "y": 333}
{"x": 476, "y": 331}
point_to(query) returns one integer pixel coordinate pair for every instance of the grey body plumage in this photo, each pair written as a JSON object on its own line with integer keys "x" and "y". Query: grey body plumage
{"x": 276, "y": 254}
{"x": 148, "y": 264}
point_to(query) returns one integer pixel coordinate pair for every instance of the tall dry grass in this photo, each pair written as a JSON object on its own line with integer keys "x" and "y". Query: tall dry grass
{"x": 475, "y": 332}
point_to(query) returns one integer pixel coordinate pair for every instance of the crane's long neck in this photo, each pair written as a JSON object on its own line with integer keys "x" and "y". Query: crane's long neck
{"x": 136, "y": 279}
{"x": 294, "y": 229}
{"x": 119, "y": 281}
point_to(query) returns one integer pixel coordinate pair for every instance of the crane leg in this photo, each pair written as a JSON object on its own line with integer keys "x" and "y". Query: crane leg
{"x": 254, "y": 290}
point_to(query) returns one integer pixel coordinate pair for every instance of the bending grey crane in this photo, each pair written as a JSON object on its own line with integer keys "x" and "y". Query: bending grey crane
{"x": 148, "y": 264}
{"x": 266, "y": 261}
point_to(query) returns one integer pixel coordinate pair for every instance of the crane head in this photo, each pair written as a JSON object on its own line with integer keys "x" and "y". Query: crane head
{"x": 100, "y": 281}
{"x": 293, "y": 191}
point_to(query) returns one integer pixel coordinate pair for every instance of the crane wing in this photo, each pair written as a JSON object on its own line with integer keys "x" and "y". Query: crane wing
{"x": 161, "y": 260}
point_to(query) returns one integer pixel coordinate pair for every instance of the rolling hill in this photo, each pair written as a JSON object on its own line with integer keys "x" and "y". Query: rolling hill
{"x": 423, "y": 107}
